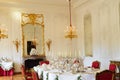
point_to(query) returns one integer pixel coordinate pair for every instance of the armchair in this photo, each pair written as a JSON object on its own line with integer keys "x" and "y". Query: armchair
{"x": 105, "y": 75}
{"x": 26, "y": 75}
{"x": 34, "y": 75}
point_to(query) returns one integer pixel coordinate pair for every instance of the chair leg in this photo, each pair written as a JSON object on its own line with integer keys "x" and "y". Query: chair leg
{"x": 117, "y": 76}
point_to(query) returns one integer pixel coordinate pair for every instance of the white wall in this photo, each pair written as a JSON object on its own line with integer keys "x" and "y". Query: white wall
{"x": 55, "y": 20}
{"x": 105, "y": 30}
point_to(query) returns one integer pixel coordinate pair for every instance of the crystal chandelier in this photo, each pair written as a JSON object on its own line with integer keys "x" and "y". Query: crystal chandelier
{"x": 71, "y": 31}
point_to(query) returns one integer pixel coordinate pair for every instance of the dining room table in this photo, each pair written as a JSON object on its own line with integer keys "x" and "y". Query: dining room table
{"x": 48, "y": 72}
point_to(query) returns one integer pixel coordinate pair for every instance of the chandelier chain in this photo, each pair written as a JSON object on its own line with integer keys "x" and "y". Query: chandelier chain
{"x": 70, "y": 13}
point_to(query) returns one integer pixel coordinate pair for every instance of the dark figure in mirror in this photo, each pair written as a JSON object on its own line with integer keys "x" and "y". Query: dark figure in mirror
{"x": 30, "y": 46}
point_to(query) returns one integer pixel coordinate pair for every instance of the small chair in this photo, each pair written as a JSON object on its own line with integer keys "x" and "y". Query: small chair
{"x": 26, "y": 75}
{"x": 34, "y": 75}
{"x": 10, "y": 72}
{"x": 44, "y": 62}
{"x": 6, "y": 72}
{"x": 2, "y": 72}
{"x": 96, "y": 64}
{"x": 112, "y": 67}
{"x": 105, "y": 75}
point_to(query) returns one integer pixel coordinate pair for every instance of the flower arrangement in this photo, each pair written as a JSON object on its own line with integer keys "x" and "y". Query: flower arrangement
{"x": 79, "y": 78}
{"x": 41, "y": 76}
{"x": 56, "y": 77}
{"x": 47, "y": 76}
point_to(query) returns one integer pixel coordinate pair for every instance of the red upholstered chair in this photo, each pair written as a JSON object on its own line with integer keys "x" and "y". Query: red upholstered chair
{"x": 10, "y": 72}
{"x": 26, "y": 75}
{"x": 105, "y": 75}
{"x": 6, "y": 73}
{"x": 112, "y": 67}
{"x": 2, "y": 72}
{"x": 34, "y": 75}
{"x": 96, "y": 64}
{"x": 43, "y": 62}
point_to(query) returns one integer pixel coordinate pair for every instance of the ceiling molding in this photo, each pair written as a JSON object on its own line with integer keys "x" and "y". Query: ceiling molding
{"x": 34, "y": 2}
{"x": 37, "y": 3}
{"x": 34, "y": 8}
{"x": 79, "y": 3}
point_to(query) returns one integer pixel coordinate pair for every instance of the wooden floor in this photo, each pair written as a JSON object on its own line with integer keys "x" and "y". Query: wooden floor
{"x": 15, "y": 77}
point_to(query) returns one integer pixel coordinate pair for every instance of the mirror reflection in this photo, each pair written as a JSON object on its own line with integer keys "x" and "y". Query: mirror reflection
{"x": 33, "y": 35}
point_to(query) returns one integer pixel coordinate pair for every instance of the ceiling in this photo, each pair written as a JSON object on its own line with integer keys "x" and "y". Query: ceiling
{"x": 43, "y": 2}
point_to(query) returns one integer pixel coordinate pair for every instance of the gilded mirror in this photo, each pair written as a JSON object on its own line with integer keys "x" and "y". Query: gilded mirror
{"x": 32, "y": 34}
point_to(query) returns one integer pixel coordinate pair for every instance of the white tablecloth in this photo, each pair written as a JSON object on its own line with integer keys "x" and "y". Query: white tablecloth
{"x": 52, "y": 74}
{"x": 70, "y": 76}
{"x": 6, "y": 65}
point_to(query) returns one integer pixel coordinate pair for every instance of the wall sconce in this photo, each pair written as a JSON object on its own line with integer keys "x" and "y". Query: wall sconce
{"x": 17, "y": 44}
{"x": 3, "y": 32}
{"x": 48, "y": 42}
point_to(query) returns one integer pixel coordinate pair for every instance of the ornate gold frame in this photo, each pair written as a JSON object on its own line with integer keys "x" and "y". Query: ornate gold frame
{"x": 32, "y": 19}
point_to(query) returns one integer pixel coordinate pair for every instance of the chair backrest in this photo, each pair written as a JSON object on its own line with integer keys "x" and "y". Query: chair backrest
{"x": 43, "y": 62}
{"x": 95, "y": 64}
{"x": 105, "y": 75}
{"x": 34, "y": 75}
{"x": 112, "y": 67}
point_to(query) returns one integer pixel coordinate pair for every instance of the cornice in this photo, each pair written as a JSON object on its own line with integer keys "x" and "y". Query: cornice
{"x": 79, "y": 3}
{"x": 31, "y": 3}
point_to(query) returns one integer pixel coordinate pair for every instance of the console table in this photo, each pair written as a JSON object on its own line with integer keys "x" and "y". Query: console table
{"x": 117, "y": 62}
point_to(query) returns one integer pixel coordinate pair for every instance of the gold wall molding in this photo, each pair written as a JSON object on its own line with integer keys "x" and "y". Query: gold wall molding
{"x": 37, "y": 21}
{"x": 17, "y": 44}
{"x": 32, "y": 19}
